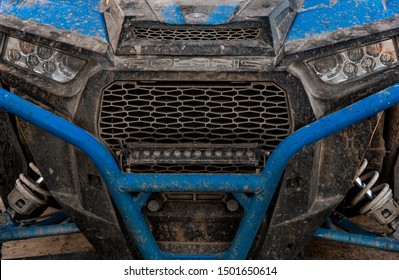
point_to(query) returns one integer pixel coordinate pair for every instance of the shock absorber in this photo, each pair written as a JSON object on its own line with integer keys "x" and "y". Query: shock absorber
{"x": 28, "y": 194}
{"x": 380, "y": 205}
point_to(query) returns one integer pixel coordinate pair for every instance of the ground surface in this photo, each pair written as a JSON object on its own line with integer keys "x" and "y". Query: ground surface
{"x": 76, "y": 246}
{"x": 328, "y": 250}
{"x": 66, "y": 244}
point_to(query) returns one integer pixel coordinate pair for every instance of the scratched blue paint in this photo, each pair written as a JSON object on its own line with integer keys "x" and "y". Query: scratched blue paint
{"x": 173, "y": 15}
{"x": 221, "y": 14}
{"x": 264, "y": 185}
{"x": 326, "y": 16}
{"x": 81, "y": 16}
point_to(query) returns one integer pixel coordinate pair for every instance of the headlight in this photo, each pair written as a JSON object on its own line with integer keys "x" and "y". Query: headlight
{"x": 42, "y": 60}
{"x": 355, "y": 63}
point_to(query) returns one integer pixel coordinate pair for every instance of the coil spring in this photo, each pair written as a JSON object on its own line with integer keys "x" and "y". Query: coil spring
{"x": 381, "y": 205}
{"x": 28, "y": 194}
{"x": 29, "y": 185}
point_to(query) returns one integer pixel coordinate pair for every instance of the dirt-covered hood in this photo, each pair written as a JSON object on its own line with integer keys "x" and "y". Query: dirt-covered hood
{"x": 211, "y": 12}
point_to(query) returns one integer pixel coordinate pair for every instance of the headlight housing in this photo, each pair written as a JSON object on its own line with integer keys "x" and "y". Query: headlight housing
{"x": 42, "y": 60}
{"x": 354, "y": 63}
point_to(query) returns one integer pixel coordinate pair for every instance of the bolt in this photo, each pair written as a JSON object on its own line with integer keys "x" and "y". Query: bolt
{"x": 3, "y": 219}
{"x": 295, "y": 182}
{"x": 232, "y": 205}
{"x": 153, "y": 205}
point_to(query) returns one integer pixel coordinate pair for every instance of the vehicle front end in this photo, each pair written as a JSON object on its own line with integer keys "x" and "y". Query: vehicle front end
{"x": 178, "y": 129}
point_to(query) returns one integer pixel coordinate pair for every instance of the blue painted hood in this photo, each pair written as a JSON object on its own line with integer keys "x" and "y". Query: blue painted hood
{"x": 196, "y": 12}
{"x": 319, "y": 17}
{"x": 80, "y": 16}
{"x": 315, "y": 17}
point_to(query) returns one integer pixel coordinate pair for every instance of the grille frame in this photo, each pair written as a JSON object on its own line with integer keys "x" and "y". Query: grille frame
{"x": 264, "y": 87}
{"x": 259, "y": 45}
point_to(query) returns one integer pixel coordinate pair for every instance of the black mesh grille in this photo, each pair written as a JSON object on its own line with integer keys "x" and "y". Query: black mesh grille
{"x": 174, "y": 113}
{"x": 195, "y": 34}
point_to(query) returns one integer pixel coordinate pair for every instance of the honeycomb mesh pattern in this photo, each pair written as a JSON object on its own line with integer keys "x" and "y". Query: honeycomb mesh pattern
{"x": 173, "y": 113}
{"x": 195, "y": 34}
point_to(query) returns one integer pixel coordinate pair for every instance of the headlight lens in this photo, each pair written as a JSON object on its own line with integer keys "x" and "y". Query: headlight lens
{"x": 355, "y": 63}
{"x": 42, "y": 60}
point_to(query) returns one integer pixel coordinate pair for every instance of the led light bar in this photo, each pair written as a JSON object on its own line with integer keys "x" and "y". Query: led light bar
{"x": 192, "y": 154}
{"x": 42, "y": 60}
{"x": 355, "y": 63}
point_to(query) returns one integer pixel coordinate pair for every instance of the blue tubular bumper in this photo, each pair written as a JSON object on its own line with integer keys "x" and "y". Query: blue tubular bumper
{"x": 262, "y": 186}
